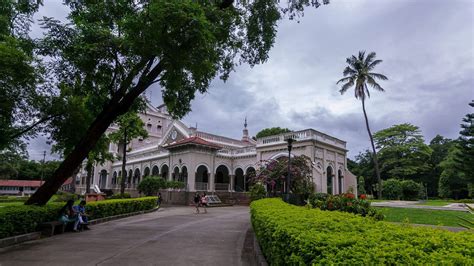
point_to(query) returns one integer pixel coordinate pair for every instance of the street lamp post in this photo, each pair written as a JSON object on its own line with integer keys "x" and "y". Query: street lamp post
{"x": 288, "y": 176}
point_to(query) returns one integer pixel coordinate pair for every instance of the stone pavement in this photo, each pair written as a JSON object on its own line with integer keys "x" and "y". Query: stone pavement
{"x": 170, "y": 236}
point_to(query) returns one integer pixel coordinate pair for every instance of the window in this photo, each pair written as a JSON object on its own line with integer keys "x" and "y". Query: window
{"x": 148, "y": 127}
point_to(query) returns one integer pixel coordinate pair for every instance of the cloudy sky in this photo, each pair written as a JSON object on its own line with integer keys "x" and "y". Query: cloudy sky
{"x": 427, "y": 48}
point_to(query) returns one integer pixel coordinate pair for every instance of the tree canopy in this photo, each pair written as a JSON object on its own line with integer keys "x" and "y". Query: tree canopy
{"x": 403, "y": 153}
{"x": 114, "y": 50}
{"x": 271, "y": 131}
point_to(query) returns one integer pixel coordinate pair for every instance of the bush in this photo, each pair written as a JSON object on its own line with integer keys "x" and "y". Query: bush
{"x": 17, "y": 220}
{"x": 392, "y": 189}
{"x": 151, "y": 185}
{"x": 120, "y": 196}
{"x": 291, "y": 235}
{"x": 65, "y": 196}
{"x": 257, "y": 192}
{"x": 345, "y": 203}
{"x": 410, "y": 190}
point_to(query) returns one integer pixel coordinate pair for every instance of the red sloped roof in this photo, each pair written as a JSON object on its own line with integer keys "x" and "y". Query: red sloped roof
{"x": 27, "y": 183}
{"x": 20, "y": 183}
{"x": 193, "y": 140}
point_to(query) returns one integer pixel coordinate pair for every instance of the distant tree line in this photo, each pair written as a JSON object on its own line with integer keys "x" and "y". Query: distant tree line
{"x": 444, "y": 166}
{"x": 14, "y": 166}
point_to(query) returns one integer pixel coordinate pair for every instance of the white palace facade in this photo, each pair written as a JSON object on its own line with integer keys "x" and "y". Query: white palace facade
{"x": 216, "y": 164}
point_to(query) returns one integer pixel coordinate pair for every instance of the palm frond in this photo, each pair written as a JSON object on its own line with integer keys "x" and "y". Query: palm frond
{"x": 361, "y": 55}
{"x": 374, "y": 84}
{"x": 377, "y": 76}
{"x": 374, "y": 63}
{"x": 349, "y": 71}
{"x": 367, "y": 90}
{"x": 370, "y": 58}
{"x": 346, "y": 79}
{"x": 346, "y": 86}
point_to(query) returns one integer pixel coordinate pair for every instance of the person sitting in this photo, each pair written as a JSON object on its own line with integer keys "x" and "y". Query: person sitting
{"x": 81, "y": 214}
{"x": 68, "y": 215}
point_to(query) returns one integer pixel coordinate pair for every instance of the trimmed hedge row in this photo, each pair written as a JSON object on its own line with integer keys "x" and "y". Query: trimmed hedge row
{"x": 17, "y": 220}
{"x": 291, "y": 235}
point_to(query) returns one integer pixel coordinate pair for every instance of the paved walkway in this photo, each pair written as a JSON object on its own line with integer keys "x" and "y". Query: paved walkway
{"x": 170, "y": 236}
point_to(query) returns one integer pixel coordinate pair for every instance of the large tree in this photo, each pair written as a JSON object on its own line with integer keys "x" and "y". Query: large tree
{"x": 440, "y": 146}
{"x": 117, "y": 49}
{"x": 130, "y": 126}
{"x": 465, "y": 157}
{"x": 403, "y": 153}
{"x": 358, "y": 74}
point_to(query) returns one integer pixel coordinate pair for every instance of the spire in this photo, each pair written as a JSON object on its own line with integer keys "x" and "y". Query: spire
{"x": 245, "y": 132}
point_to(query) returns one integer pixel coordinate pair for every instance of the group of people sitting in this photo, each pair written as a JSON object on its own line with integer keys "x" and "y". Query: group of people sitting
{"x": 200, "y": 201}
{"x": 74, "y": 214}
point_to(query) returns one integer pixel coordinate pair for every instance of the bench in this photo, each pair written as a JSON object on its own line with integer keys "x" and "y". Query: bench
{"x": 49, "y": 228}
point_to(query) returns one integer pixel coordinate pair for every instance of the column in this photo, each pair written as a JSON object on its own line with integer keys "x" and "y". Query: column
{"x": 211, "y": 182}
{"x": 232, "y": 182}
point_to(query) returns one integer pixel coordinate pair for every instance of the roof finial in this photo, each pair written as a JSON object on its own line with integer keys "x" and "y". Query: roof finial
{"x": 245, "y": 124}
{"x": 196, "y": 125}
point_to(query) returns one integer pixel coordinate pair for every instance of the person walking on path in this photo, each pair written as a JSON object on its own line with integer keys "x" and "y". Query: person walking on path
{"x": 158, "y": 200}
{"x": 204, "y": 201}
{"x": 197, "y": 201}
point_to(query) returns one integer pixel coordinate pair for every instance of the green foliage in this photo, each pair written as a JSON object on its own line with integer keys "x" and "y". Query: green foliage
{"x": 364, "y": 166}
{"x": 453, "y": 182}
{"x": 402, "y": 152}
{"x": 13, "y": 199}
{"x": 22, "y": 219}
{"x": 106, "y": 208}
{"x": 18, "y": 167}
{"x": 395, "y": 189}
{"x": 175, "y": 184}
{"x": 291, "y": 235}
{"x": 466, "y": 222}
{"x": 271, "y": 131}
{"x": 345, "y": 203}
{"x": 120, "y": 196}
{"x": 131, "y": 126}
{"x": 361, "y": 185}
{"x": 257, "y": 191}
{"x": 465, "y": 157}
{"x": 440, "y": 147}
{"x": 392, "y": 189}
{"x": 150, "y": 185}
{"x": 65, "y": 196}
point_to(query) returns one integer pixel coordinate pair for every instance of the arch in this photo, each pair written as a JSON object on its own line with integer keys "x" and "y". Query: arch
{"x": 183, "y": 177}
{"x": 136, "y": 176}
{"x": 155, "y": 171}
{"x": 114, "y": 178}
{"x": 164, "y": 171}
{"x": 201, "y": 164}
{"x": 222, "y": 174}
{"x": 330, "y": 177}
{"x": 130, "y": 174}
{"x": 281, "y": 154}
{"x": 239, "y": 184}
{"x": 175, "y": 174}
{"x": 146, "y": 172}
{"x": 340, "y": 181}
{"x": 103, "y": 178}
{"x": 249, "y": 173}
{"x": 222, "y": 164}
{"x": 201, "y": 177}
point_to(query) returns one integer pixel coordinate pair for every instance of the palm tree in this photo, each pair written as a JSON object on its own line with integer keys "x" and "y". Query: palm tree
{"x": 358, "y": 74}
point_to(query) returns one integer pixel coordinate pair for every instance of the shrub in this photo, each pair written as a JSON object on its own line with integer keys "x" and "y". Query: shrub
{"x": 345, "y": 203}
{"x": 17, "y": 220}
{"x": 291, "y": 235}
{"x": 151, "y": 185}
{"x": 120, "y": 196}
{"x": 175, "y": 184}
{"x": 392, "y": 189}
{"x": 65, "y": 196}
{"x": 257, "y": 191}
{"x": 410, "y": 190}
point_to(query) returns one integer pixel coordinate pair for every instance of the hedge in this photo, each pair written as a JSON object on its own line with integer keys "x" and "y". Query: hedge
{"x": 292, "y": 235}
{"x": 17, "y": 220}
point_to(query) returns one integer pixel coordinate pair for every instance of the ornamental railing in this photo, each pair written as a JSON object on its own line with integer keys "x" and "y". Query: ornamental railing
{"x": 307, "y": 134}
{"x": 201, "y": 186}
{"x": 222, "y": 186}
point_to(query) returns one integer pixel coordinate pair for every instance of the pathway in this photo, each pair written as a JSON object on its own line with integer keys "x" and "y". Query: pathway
{"x": 170, "y": 236}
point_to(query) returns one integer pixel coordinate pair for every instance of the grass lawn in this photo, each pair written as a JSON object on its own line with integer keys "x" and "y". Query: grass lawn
{"x": 15, "y": 203}
{"x": 422, "y": 216}
{"x": 436, "y": 202}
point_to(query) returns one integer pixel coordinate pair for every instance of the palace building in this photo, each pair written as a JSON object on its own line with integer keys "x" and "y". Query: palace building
{"x": 215, "y": 164}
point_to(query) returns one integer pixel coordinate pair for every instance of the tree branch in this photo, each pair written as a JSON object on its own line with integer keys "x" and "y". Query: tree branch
{"x": 30, "y": 127}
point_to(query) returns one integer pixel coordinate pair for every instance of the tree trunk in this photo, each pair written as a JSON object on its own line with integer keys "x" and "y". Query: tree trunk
{"x": 88, "y": 178}
{"x": 124, "y": 162}
{"x": 376, "y": 163}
